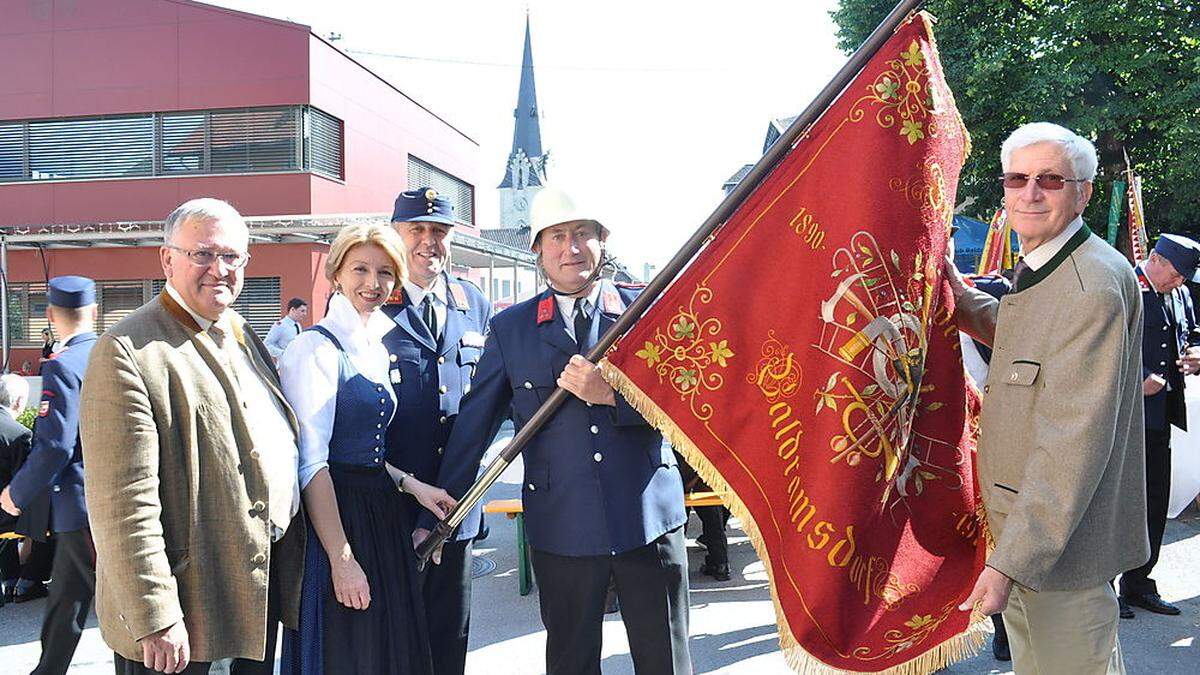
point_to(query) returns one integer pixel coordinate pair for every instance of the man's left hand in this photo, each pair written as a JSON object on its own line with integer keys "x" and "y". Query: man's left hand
{"x": 7, "y": 504}
{"x": 990, "y": 592}
{"x": 582, "y": 378}
{"x": 1190, "y": 363}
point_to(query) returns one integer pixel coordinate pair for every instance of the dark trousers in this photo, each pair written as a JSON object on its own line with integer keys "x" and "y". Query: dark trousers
{"x": 124, "y": 666}
{"x": 447, "y": 595}
{"x": 1158, "y": 494}
{"x": 652, "y": 586}
{"x": 36, "y": 568}
{"x": 70, "y": 600}
{"x": 713, "y": 520}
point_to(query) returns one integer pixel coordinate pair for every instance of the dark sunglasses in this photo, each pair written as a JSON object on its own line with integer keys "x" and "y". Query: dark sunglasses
{"x": 1046, "y": 181}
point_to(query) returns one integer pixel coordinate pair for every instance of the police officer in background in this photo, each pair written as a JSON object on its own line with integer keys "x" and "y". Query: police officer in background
{"x": 602, "y": 496}
{"x": 1169, "y": 351}
{"x": 434, "y": 348}
{"x": 55, "y": 467}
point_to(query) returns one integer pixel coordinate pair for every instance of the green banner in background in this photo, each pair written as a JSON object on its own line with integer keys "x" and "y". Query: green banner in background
{"x": 1115, "y": 207}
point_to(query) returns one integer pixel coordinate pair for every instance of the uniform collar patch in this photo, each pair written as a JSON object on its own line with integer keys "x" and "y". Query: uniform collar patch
{"x": 610, "y": 301}
{"x": 397, "y": 297}
{"x": 545, "y": 309}
{"x": 459, "y": 294}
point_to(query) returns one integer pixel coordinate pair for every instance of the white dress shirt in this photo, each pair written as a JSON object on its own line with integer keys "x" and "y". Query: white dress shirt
{"x": 1042, "y": 254}
{"x": 566, "y": 307}
{"x": 309, "y": 371}
{"x": 270, "y": 432}
{"x": 416, "y": 295}
{"x": 281, "y": 335}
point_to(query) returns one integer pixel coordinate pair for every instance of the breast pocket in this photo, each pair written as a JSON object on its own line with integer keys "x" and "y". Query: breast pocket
{"x": 405, "y": 372}
{"x": 468, "y": 361}
{"x": 531, "y": 388}
{"x": 1021, "y": 373}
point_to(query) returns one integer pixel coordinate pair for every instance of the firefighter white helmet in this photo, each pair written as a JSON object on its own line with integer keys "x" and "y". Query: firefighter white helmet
{"x": 552, "y": 206}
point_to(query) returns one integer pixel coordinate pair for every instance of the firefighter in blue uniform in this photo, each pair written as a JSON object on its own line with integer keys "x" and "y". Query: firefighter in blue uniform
{"x": 1169, "y": 351}
{"x": 434, "y": 349}
{"x": 53, "y": 473}
{"x": 602, "y": 494}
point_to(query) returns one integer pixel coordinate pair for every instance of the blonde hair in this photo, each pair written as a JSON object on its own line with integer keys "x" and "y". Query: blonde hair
{"x": 382, "y": 236}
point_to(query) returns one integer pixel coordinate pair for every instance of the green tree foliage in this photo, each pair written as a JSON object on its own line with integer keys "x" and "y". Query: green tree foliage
{"x": 1125, "y": 73}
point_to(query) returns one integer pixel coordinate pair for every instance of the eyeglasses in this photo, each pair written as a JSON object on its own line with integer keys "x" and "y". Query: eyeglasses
{"x": 202, "y": 258}
{"x": 1046, "y": 181}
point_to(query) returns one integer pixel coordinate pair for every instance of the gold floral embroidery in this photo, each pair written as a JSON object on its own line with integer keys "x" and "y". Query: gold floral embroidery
{"x": 905, "y": 97}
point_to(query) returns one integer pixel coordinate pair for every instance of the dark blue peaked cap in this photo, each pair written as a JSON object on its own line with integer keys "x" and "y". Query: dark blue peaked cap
{"x": 1181, "y": 252}
{"x": 423, "y": 205}
{"x": 72, "y": 292}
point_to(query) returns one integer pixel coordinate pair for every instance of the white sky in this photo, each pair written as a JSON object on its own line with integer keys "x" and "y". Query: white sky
{"x": 647, "y": 107}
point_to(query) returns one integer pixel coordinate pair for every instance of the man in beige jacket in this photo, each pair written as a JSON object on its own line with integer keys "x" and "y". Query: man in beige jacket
{"x": 1061, "y": 449}
{"x": 191, "y": 467}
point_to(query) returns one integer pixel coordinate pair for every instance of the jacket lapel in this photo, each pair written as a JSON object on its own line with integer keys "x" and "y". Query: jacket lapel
{"x": 554, "y": 332}
{"x": 410, "y": 322}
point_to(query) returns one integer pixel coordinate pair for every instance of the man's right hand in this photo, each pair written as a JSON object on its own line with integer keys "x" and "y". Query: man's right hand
{"x": 167, "y": 651}
{"x": 419, "y": 535}
{"x": 1152, "y": 385}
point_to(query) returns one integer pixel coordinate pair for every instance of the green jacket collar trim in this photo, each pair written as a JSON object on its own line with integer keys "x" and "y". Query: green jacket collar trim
{"x": 1031, "y": 277}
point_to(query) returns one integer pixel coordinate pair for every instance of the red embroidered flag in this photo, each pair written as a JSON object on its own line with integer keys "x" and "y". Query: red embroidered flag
{"x": 806, "y": 364}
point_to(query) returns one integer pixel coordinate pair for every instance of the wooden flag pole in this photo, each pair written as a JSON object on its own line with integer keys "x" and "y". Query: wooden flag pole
{"x": 724, "y": 210}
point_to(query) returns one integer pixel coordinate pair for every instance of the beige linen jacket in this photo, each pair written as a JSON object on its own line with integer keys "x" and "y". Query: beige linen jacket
{"x": 172, "y": 486}
{"x": 1061, "y": 450}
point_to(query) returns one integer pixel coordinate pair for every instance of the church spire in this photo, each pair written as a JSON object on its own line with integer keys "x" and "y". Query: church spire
{"x": 526, "y": 161}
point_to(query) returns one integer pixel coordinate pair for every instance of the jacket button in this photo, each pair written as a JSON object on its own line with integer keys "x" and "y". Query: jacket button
{"x": 528, "y": 384}
{"x": 595, "y": 429}
{"x": 532, "y": 487}
{"x": 376, "y": 436}
{"x": 597, "y": 457}
{"x": 442, "y": 419}
{"x": 1162, "y": 363}
{"x": 1013, "y": 377}
{"x": 258, "y": 558}
{"x": 376, "y": 460}
{"x": 381, "y": 413}
{"x": 442, "y": 389}
{"x": 57, "y": 488}
{"x": 392, "y": 358}
{"x": 255, "y": 454}
{"x": 987, "y": 388}
{"x": 1164, "y": 345}
{"x": 378, "y": 426}
{"x": 258, "y": 507}
{"x": 589, "y": 403}
{"x": 441, "y": 360}
{"x": 440, "y": 450}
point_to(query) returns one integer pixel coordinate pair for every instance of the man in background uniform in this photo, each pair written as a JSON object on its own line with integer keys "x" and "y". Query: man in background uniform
{"x": 439, "y": 334}
{"x": 1169, "y": 351}
{"x": 287, "y": 328}
{"x": 55, "y": 467}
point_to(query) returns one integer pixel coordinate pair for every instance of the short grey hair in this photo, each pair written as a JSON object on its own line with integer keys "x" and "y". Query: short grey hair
{"x": 1079, "y": 151}
{"x": 204, "y": 209}
{"x": 13, "y": 390}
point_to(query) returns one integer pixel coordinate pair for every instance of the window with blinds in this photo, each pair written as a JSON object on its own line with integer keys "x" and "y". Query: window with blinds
{"x": 462, "y": 194}
{"x": 323, "y": 143}
{"x": 246, "y": 140}
{"x": 117, "y": 299}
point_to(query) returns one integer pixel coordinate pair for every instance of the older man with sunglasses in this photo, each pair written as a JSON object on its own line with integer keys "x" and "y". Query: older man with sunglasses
{"x": 1061, "y": 451}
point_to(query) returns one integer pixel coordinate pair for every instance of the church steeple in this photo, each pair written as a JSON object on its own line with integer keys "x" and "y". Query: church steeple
{"x": 525, "y": 169}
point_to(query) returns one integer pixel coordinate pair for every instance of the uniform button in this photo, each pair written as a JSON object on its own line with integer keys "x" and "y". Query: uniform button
{"x": 442, "y": 419}
{"x": 441, "y": 360}
{"x": 258, "y": 558}
{"x": 383, "y": 400}
{"x": 379, "y": 388}
{"x": 376, "y": 460}
{"x": 440, "y": 450}
{"x": 589, "y": 403}
{"x": 378, "y": 426}
{"x": 442, "y": 389}
{"x": 258, "y": 507}
{"x": 381, "y": 413}
{"x": 1164, "y": 345}
{"x": 1013, "y": 377}
{"x": 597, "y": 457}
{"x": 392, "y": 358}
{"x": 255, "y": 454}
{"x": 532, "y": 487}
{"x": 376, "y": 436}
{"x": 595, "y": 429}
{"x": 57, "y": 488}
{"x": 528, "y": 384}
{"x": 1162, "y": 363}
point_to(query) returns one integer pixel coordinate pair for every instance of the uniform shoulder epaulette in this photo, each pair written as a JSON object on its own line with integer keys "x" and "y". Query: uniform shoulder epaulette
{"x": 631, "y": 285}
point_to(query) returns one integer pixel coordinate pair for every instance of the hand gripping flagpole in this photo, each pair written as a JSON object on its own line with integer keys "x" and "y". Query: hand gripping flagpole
{"x": 766, "y": 163}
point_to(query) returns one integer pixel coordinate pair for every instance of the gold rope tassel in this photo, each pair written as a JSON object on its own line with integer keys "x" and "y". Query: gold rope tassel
{"x": 962, "y": 646}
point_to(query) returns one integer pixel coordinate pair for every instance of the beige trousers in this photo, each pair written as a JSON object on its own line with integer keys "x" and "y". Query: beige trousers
{"x": 1064, "y": 632}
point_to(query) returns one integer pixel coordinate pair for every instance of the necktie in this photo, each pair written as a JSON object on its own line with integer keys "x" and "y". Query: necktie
{"x": 1020, "y": 270}
{"x": 583, "y": 324}
{"x": 297, "y": 325}
{"x": 429, "y": 315}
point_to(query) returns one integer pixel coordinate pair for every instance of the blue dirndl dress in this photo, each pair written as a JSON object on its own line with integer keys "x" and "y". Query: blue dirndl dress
{"x": 389, "y": 636}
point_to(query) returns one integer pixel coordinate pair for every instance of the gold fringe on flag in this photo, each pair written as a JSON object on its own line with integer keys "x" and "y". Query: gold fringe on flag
{"x": 962, "y": 646}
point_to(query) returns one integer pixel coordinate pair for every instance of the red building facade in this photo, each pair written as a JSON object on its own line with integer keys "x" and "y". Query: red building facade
{"x": 112, "y": 113}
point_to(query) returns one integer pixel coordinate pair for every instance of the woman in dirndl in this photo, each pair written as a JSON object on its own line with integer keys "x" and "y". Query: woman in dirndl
{"x": 360, "y": 609}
